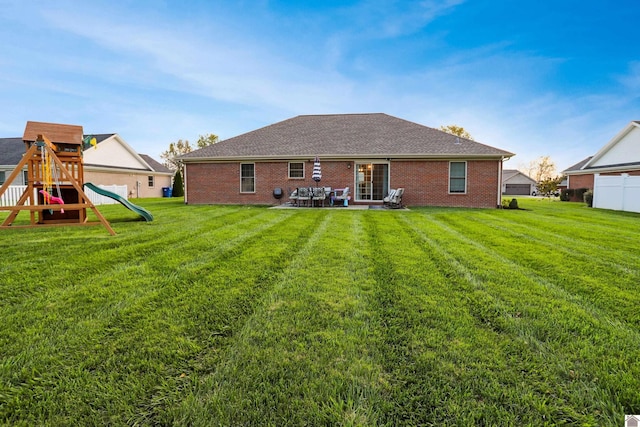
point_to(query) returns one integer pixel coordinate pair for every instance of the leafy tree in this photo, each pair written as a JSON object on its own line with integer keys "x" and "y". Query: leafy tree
{"x": 549, "y": 186}
{"x": 540, "y": 169}
{"x": 457, "y": 131}
{"x": 177, "y": 149}
{"x": 178, "y": 185}
{"x": 205, "y": 140}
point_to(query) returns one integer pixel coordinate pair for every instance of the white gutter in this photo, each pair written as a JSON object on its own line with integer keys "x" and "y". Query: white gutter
{"x": 342, "y": 157}
{"x": 500, "y": 182}
{"x": 184, "y": 183}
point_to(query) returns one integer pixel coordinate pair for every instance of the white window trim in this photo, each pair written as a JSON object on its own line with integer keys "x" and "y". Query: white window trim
{"x": 294, "y": 177}
{"x": 465, "y": 177}
{"x": 151, "y": 179}
{"x": 254, "y": 178}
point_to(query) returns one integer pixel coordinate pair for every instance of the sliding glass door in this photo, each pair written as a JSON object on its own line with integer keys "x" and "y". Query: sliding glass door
{"x": 372, "y": 181}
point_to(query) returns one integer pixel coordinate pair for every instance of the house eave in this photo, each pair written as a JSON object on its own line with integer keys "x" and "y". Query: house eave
{"x": 343, "y": 157}
{"x": 624, "y": 132}
{"x": 605, "y": 169}
{"x": 116, "y": 169}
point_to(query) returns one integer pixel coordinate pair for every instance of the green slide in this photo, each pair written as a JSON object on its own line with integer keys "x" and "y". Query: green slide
{"x": 127, "y": 204}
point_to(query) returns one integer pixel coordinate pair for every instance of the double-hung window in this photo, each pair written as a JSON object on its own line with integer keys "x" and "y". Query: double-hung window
{"x": 296, "y": 170}
{"x": 458, "y": 177}
{"x": 247, "y": 177}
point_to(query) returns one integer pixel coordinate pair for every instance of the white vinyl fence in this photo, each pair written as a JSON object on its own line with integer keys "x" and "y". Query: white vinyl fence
{"x": 13, "y": 193}
{"x": 97, "y": 199}
{"x": 620, "y": 193}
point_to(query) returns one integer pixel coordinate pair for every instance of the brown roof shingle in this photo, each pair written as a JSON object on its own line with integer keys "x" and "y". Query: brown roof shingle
{"x": 345, "y": 135}
{"x": 71, "y": 134}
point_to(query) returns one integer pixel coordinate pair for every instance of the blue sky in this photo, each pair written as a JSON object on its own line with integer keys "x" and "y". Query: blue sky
{"x": 535, "y": 78}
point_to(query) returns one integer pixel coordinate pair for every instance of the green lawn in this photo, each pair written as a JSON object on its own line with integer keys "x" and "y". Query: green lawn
{"x": 235, "y": 315}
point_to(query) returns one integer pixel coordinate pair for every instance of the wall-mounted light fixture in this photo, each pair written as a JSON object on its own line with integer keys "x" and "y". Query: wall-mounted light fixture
{"x": 348, "y": 165}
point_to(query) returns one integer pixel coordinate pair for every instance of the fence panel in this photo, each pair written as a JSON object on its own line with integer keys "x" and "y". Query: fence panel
{"x": 621, "y": 193}
{"x": 14, "y": 192}
{"x": 12, "y": 195}
{"x": 97, "y": 199}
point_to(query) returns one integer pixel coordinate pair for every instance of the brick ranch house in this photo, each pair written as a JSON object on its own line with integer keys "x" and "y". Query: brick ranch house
{"x": 369, "y": 153}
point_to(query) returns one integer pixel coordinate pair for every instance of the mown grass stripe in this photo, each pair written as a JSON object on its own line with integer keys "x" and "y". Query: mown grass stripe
{"x": 423, "y": 314}
{"x": 127, "y": 326}
{"x": 305, "y": 349}
{"x": 610, "y": 290}
{"x": 624, "y": 259}
{"x": 565, "y": 342}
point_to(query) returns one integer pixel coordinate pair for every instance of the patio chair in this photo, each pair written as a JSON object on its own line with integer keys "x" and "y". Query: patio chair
{"x": 344, "y": 197}
{"x": 318, "y": 195}
{"x": 304, "y": 195}
{"x": 385, "y": 201}
{"x": 293, "y": 197}
{"x": 394, "y": 199}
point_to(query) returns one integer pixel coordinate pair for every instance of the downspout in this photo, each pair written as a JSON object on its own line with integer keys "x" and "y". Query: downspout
{"x": 500, "y": 182}
{"x": 184, "y": 183}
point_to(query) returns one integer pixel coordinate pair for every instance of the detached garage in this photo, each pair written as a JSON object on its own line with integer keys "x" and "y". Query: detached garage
{"x": 515, "y": 183}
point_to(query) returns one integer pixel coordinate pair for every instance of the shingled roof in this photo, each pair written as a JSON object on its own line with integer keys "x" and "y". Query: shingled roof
{"x": 578, "y": 166}
{"x": 345, "y": 136}
{"x": 11, "y": 151}
{"x": 155, "y": 165}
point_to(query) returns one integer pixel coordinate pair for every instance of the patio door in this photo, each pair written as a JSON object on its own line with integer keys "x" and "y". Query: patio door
{"x": 372, "y": 181}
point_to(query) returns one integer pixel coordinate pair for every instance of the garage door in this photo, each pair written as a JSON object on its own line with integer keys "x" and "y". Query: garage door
{"x": 517, "y": 189}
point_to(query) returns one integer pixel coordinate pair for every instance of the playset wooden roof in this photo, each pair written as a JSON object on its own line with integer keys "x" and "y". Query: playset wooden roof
{"x": 55, "y": 132}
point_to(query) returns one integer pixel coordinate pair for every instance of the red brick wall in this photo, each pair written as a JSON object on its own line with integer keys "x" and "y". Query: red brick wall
{"x": 426, "y": 183}
{"x": 581, "y": 181}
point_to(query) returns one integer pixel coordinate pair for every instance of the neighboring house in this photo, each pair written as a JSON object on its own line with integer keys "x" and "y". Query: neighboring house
{"x": 111, "y": 162}
{"x": 515, "y": 183}
{"x": 613, "y": 172}
{"x": 578, "y": 178}
{"x": 563, "y": 185}
{"x": 369, "y": 153}
{"x": 11, "y": 152}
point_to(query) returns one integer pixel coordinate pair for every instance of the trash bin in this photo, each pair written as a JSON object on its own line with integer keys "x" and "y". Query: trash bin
{"x": 166, "y": 191}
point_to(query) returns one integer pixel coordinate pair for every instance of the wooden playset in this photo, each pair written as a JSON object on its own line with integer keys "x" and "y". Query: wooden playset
{"x": 55, "y": 178}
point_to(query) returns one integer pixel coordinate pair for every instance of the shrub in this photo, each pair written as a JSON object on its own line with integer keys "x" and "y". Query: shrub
{"x": 566, "y": 194}
{"x": 510, "y": 204}
{"x": 178, "y": 186}
{"x": 588, "y": 198}
{"x": 579, "y": 193}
